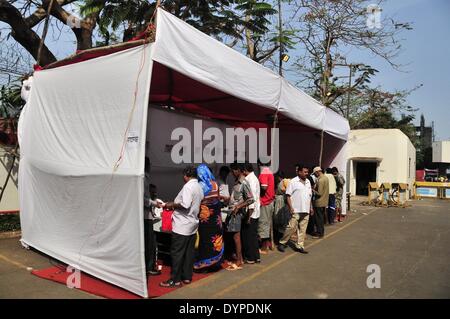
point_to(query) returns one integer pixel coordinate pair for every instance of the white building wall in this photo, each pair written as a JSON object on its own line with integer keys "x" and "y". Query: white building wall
{"x": 441, "y": 152}
{"x": 412, "y": 168}
{"x": 390, "y": 147}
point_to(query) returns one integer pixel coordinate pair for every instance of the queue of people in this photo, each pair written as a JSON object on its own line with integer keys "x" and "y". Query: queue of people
{"x": 261, "y": 212}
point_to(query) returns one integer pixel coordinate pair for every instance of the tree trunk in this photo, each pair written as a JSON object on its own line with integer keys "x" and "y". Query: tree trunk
{"x": 84, "y": 34}
{"x": 84, "y": 38}
{"x": 23, "y": 34}
{"x": 328, "y": 72}
{"x": 22, "y": 27}
{"x": 249, "y": 40}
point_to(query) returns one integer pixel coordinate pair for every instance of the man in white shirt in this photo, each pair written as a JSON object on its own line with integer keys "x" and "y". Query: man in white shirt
{"x": 298, "y": 193}
{"x": 332, "y": 186}
{"x": 184, "y": 228}
{"x": 224, "y": 190}
{"x": 150, "y": 204}
{"x": 249, "y": 231}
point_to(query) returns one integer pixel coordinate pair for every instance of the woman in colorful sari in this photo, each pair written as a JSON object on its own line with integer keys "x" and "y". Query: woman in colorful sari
{"x": 210, "y": 247}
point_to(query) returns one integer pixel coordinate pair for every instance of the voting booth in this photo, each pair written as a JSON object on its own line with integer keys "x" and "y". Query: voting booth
{"x": 83, "y": 149}
{"x": 374, "y": 193}
{"x": 385, "y": 190}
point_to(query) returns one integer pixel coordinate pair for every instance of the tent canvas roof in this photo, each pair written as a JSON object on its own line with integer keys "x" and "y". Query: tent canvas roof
{"x": 201, "y": 75}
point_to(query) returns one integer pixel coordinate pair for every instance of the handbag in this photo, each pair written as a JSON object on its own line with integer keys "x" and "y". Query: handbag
{"x": 234, "y": 222}
{"x": 166, "y": 221}
{"x": 282, "y": 218}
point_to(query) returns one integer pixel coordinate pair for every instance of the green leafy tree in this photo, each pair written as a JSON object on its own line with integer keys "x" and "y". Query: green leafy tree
{"x": 262, "y": 32}
{"x": 11, "y": 102}
{"x": 259, "y": 43}
{"x": 121, "y": 20}
{"x": 215, "y": 18}
{"x": 375, "y": 108}
{"x": 23, "y": 16}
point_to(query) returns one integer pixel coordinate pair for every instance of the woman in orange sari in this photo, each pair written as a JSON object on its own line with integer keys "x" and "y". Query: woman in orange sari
{"x": 211, "y": 247}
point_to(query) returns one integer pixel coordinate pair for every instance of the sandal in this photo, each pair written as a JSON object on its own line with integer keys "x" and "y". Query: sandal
{"x": 154, "y": 272}
{"x": 170, "y": 284}
{"x": 233, "y": 267}
{"x": 200, "y": 266}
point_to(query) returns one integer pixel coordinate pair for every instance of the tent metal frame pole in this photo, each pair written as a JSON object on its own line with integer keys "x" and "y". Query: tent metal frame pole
{"x": 280, "y": 40}
{"x": 119, "y": 46}
{"x": 321, "y": 148}
{"x": 275, "y": 124}
{"x": 14, "y": 155}
{"x": 158, "y": 5}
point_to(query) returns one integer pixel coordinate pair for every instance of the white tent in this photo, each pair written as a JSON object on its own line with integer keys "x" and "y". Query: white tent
{"x": 88, "y": 114}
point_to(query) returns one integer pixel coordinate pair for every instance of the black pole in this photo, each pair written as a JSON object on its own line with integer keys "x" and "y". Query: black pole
{"x": 9, "y": 173}
{"x": 280, "y": 30}
{"x": 349, "y": 89}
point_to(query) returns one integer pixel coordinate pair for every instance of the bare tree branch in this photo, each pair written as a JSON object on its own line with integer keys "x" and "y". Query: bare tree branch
{"x": 41, "y": 12}
{"x": 22, "y": 33}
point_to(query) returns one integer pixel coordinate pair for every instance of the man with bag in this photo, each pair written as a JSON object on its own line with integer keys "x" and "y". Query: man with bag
{"x": 185, "y": 221}
{"x": 241, "y": 198}
{"x": 320, "y": 202}
{"x": 299, "y": 193}
{"x": 340, "y": 182}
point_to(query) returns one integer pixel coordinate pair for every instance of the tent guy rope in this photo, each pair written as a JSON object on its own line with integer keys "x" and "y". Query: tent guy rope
{"x": 133, "y": 108}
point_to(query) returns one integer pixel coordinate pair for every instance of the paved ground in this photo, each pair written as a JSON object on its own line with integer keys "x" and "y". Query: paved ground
{"x": 16, "y": 281}
{"x": 410, "y": 246}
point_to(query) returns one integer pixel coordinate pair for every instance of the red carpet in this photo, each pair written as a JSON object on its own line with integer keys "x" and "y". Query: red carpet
{"x": 101, "y": 288}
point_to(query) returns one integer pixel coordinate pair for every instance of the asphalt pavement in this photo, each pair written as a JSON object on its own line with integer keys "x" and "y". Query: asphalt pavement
{"x": 408, "y": 247}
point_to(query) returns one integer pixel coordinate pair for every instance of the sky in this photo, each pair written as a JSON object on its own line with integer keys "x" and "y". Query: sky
{"x": 425, "y": 56}
{"x": 425, "y": 60}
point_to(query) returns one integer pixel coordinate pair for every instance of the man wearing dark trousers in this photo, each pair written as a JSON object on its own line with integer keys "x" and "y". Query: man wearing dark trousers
{"x": 267, "y": 208}
{"x": 150, "y": 203}
{"x": 186, "y": 208}
{"x": 320, "y": 202}
{"x": 241, "y": 198}
{"x": 340, "y": 182}
{"x": 150, "y": 239}
{"x": 250, "y": 229}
